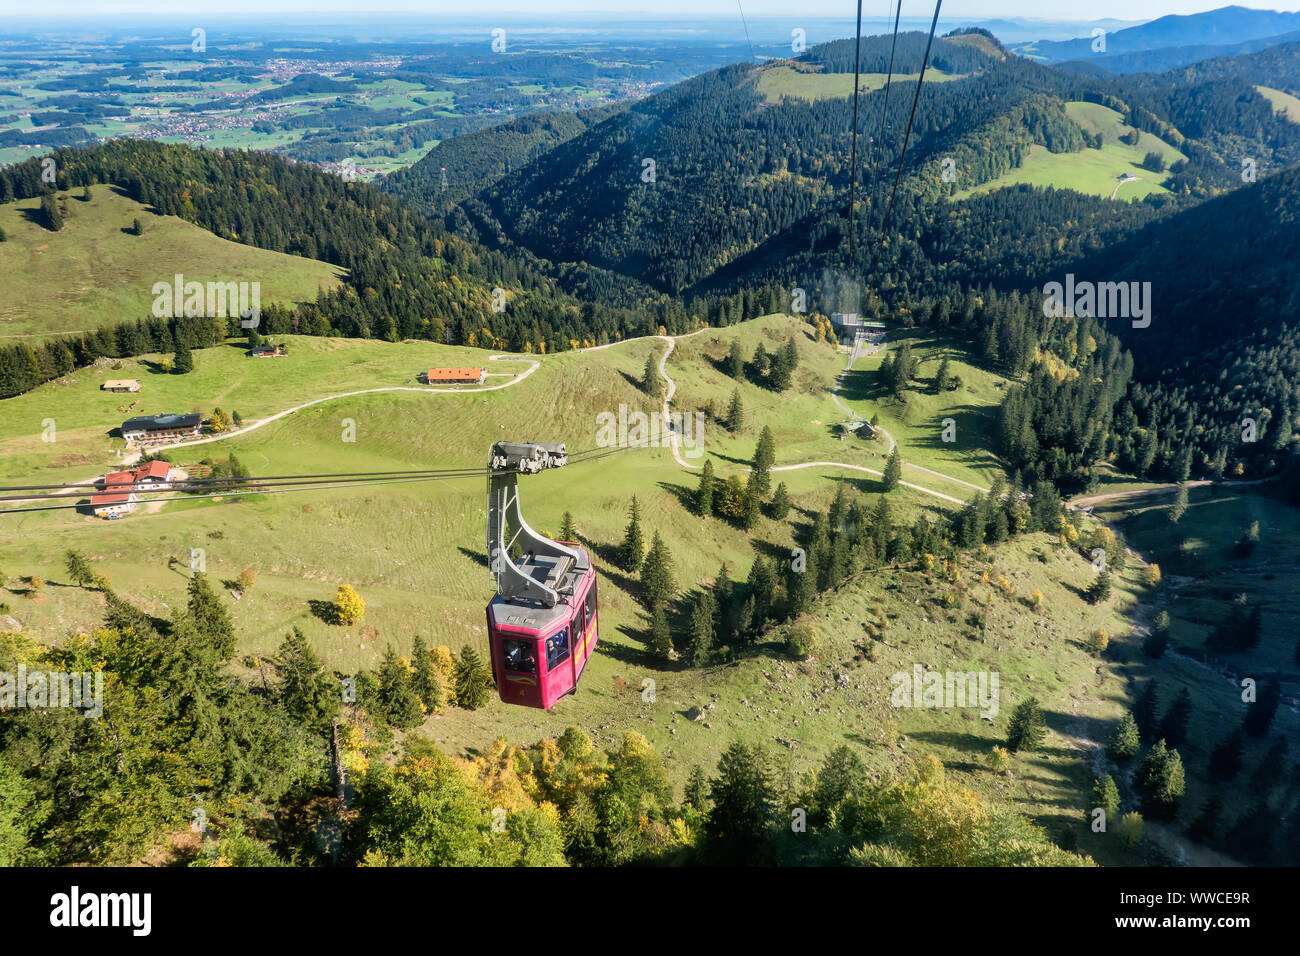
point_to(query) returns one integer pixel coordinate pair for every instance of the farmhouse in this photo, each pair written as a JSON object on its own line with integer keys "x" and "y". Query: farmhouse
{"x": 266, "y": 351}
{"x": 153, "y": 476}
{"x": 122, "y": 385}
{"x": 155, "y": 428}
{"x": 455, "y": 376}
{"x": 118, "y": 495}
{"x": 113, "y": 504}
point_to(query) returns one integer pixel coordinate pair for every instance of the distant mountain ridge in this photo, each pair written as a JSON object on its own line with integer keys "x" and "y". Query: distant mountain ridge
{"x": 1215, "y": 28}
{"x": 1174, "y": 57}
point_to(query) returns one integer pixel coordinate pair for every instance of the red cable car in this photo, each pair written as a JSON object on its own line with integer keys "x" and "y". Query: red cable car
{"x": 542, "y": 623}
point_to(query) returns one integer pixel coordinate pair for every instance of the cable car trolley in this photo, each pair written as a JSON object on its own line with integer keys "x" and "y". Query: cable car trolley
{"x": 542, "y": 621}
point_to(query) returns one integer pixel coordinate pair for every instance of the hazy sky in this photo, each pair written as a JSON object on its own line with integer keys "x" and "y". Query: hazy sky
{"x": 648, "y": 9}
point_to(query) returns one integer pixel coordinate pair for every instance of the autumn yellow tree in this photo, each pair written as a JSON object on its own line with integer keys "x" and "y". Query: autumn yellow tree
{"x": 348, "y": 606}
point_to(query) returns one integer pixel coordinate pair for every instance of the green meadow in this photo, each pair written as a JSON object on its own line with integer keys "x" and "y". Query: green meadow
{"x": 416, "y": 551}
{"x": 93, "y": 272}
{"x": 1094, "y": 171}
{"x": 1284, "y": 103}
{"x": 780, "y": 82}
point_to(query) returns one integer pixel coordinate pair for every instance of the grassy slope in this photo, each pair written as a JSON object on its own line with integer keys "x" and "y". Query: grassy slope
{"x": 1090, "y": 170}
{"x": 415, "y": 553}
{"x": 917, "y": 424}
{"x": 91, "y": 273}
{"x": 1197, "y": 596}
{"x": 778, "y": 82}
{"x": 223, "y": 377}
{"x": 1284, "y": 103}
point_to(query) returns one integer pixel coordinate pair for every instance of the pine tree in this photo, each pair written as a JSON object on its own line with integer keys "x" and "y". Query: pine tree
{"x": 1259, "y": 716}
{"x": 783, "y": 366}
{"x": 210, "y": 617}
{"x": 567, "y": 531}
{"x": 183, "y": 361}
{"x": 1105, "y": 795}
{"x": 308, "y": 694}
{"x": 1026, "y": 730}
{"x": 631, "y": 553}
{"x": 697, "y": 789}
{"x": 735, "y": 419}
{"x": 397, "y": 697}
{"x": 704, "y": 494}
{"x": 473, "y": 683}
{"x": 1158, "y": 641}
{"x": 760, "y": 481}
{"x": 750, "y": 508}
{"x": 661, "y": 637}
{"x": 779, "y": 507}
{"x": 425, "y": 679}
{"x": 893, "y": 470}
{"x": 737, "y": 831}
{"x": 651, "y": 383}
{"x": 1179, "y": 507}
{"x": 801, "y": 588}
{"x": 1161, "y": 782}
{"x": 746, "y": 620}
{"x": 50, "y": 210}
{"x": 761, "y": 584}
{"x": 1225, "y": 761}
{"x": 657, "y": 572}
{"x": 735, "y": 361}
{"x": 943, "y": 378}
{"x": 1174, "y": 727}
{"x": 699, "y": 645}
{"x": 838, "y": 514}
{"x": 1099, "y": 589}
{"x": 79, "y": 569}
{"x": 1125, "y": 742}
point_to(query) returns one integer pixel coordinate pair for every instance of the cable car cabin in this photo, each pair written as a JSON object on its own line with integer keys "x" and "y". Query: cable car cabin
{"x": 539, "y": 652}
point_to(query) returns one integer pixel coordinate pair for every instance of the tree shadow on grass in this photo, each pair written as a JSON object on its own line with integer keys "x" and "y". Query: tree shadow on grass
{"x": 633, "y": 652}
{"x": 323, "y": 610}
{"x": 967, "y": 743}
{"x": 685, "y": 496}
{"x": 478, "y": 557}
{"x": 735, "y": 461}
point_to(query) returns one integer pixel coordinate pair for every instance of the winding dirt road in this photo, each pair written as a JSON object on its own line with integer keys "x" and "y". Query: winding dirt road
{"x": 673, "y": 439}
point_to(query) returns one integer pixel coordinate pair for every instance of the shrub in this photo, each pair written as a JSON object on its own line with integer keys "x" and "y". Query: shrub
{"x": 1000, "y": 760}
{"x": 1130, "y": 829}
{"x": 802, "y": 640}
{"x": 1098, "y": 641}
{"x": 348, "y": 606}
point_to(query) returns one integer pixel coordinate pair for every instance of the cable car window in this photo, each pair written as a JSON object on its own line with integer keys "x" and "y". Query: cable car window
{"x": 557, "y": 648}
{"x": 519, "y": 657}
{"x": 591, "y": 603}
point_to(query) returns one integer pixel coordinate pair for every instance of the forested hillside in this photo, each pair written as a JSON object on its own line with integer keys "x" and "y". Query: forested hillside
{"x": 1222, "y": 347}
{"x": 708, "y": 186}
{"x": 460, "y": 166}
